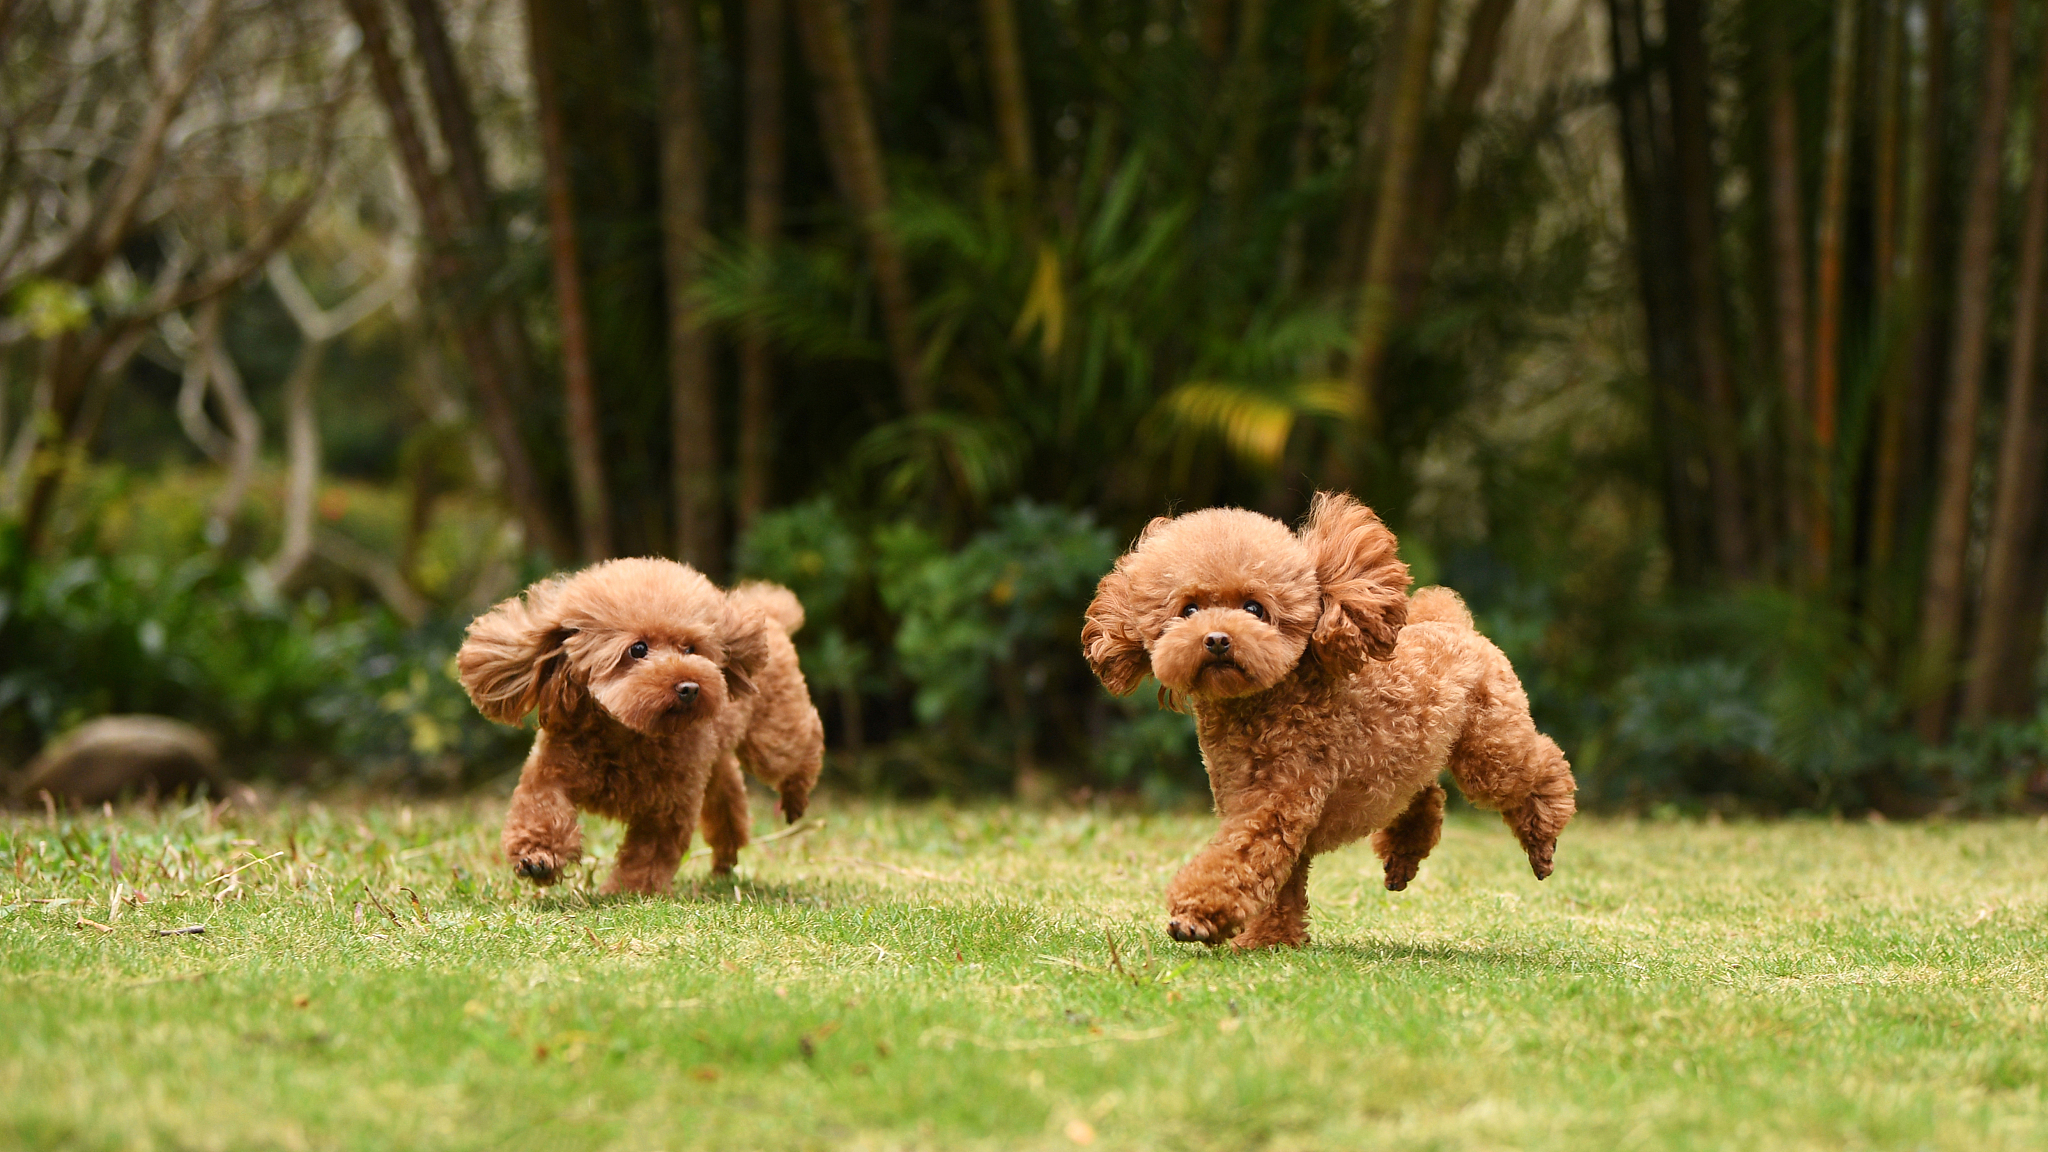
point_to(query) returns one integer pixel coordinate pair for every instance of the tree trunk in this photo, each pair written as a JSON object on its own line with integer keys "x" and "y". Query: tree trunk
{"x": 1827, "y": 291}
{"x": 1941, "y": 603}
{"x": 1788, "y": 262}
{"x": 766, "y": 48}
{"x": 1436, "y": 186}
{"x": 2016, "y": 504}
{"x": 586, "y": 450}
{"x": 447, "y": 271}
{"x": 1692, "y": 133}
{"x": 1404, "y": 137}
{"x": 452, "y": 112}
{"x": 1316, "y": 66}
{"x": 684, "y": 193}
{"x": 1212, "y": 28}
{"x": 1008, "y": 90}
{"x": 1652, "y": 224}
{"x": 857, "y": 163}
{"x": 1905, "y": 376}
{"x": 469, "y": 170}
{"x": 1884, "y": 162}
{"x": 877, "y": 35}
{"x": 1245, "y": 102}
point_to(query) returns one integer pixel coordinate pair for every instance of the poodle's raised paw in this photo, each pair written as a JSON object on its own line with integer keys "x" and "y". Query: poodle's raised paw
{"x": 795, "y": 797}
{"x": 1401, "y": 870}
{"x": 1541, "y": 860}
{"x": 539, "y": 865}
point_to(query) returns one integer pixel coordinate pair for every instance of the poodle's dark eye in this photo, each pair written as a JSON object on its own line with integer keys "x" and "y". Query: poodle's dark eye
{"x": 1255, "y": 608}
{"x": 1190, "y": 610}
{"x": 638, "y": 650}
{"x": 689, "y": 649}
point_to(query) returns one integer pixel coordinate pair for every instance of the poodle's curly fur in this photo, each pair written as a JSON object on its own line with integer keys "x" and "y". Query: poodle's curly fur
{"x": 652, "y": 687}
{"x": 1327, "y": 703}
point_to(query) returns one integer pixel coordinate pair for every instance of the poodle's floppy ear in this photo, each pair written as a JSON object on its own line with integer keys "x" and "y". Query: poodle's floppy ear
{"x": 1365, "y": 585}
{"x": 1110, "y": 639}
{"x": 513, "y": 662}
{"x": 744, "y": 635}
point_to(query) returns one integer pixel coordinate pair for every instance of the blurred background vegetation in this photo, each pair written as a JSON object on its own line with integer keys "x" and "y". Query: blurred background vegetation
{"x": 1694, "y": 341}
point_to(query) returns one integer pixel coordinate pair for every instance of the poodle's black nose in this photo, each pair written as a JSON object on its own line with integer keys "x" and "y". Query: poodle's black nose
{"x": 687, "y": 692}
{"x": 1218, "y": 643}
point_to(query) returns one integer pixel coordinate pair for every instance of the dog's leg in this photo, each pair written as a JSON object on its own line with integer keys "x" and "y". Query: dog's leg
{"x": 1286, "y": 920}
{"x": 725, "y": 817}
{"x": 1407, "y": 841}
{"x": 1503, "y": 763}
{"x": 541, "y": 836}
{"x": 648, "y": 856}
{"x": 785, "y": 744}
{"x": 1241, "y": 872}
{"x": 1540, "y": 815}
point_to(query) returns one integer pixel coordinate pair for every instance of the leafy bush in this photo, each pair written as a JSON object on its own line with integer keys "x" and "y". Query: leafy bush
{"x": 983, "y": 638}
{"x": 293, "y": 689}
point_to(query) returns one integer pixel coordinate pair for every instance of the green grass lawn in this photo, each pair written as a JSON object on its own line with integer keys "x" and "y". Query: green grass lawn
{"x": 371, "y": 977}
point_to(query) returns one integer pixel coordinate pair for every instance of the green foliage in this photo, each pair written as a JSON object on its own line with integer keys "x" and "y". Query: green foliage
{"x": 1007, "y": 607}
{"x": 983, "y": 637}
{"x": 295, "y": 689}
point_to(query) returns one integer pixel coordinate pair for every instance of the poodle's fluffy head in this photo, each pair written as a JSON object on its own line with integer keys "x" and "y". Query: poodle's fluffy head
{"x": 1225, "y": 602}
{"x": 650, "y": 643}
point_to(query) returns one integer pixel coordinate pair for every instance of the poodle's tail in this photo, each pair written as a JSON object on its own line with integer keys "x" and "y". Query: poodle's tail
{"x": 773, "y": 601}
{"x": 1439, "y": 604}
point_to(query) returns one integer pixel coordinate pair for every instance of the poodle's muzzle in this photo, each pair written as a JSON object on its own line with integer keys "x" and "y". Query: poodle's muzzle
{"x": 1222, "y": 652}
{"x": 662, "y": 693}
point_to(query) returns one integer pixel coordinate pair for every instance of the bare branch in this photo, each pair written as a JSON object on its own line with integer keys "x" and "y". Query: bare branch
{"x": 114, "y": 213}
{"x": 244, "y": 428}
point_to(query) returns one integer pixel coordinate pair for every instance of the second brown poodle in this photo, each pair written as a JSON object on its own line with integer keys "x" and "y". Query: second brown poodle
{"x": 1327, "y": 703}
{"x": 652, "y": 688}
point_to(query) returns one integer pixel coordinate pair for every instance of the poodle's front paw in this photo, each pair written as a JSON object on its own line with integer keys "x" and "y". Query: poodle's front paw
{"x": 1212, "y": 927}
{"x": 538, "y": 865}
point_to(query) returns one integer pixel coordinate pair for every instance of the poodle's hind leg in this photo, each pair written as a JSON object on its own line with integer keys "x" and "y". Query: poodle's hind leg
{"x": 648, "y": 857}
{"x": 541, "y": 836}
{"x": 1504, "y": 764}
{"x": 785, "y": 745}
{"x": 1405, "y": 843}
{"x": 725, "y": 817}
{"x": 1542, "y": 813}
{"x": 1285, "y": 921}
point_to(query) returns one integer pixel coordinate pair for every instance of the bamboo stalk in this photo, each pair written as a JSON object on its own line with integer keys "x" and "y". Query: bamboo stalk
{"x": 1692, "y": 132}
{"x": 858, "y": 164}
{"x": 586, "y": 450}
{"x": 1830, "y": 232}
{"x": 1006, "y": 88}
{"x": 2016, "y": 503}
{"x": 1941, "y": 605}
{"x": 1404, "y": 135}
{"x": 766, "y": 47}
{"x": 1789, "y": 285}
{"x": 684, "y": 203}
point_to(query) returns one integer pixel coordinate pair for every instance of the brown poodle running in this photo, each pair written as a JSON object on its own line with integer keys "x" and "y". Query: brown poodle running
{"x": 1327, "y": 702}
{"x": 652, "y": 688}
